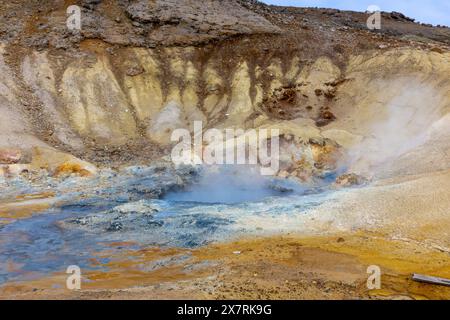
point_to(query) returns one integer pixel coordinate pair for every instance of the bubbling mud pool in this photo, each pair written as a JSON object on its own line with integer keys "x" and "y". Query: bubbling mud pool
{"x": 156, "y": 206}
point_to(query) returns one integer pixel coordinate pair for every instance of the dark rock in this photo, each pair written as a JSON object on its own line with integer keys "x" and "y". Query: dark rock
{"x": 155, "y": 224}
{"x": 400, "y": 16}
{"x": 115, "y": 226}
{"x": 325, "y": 118}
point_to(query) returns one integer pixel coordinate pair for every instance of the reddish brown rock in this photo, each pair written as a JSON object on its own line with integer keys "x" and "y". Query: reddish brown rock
{"x": 350, "y": 179}
{"x": 437, "y": 50}
{"x": 325, "y": 117}
{"x": 10, "y": 155}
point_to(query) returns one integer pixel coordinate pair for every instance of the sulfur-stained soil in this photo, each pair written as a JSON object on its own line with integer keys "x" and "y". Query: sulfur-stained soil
{"x": 281, "y": 267}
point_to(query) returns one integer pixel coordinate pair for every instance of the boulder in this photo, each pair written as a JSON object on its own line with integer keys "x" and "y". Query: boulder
{"x": 10, "y": 155}
{"x": 350, "y": 179}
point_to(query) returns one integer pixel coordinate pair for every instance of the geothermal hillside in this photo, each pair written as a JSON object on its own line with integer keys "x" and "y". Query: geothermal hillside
{"x": 371, "y": 108}
{"x": 138, "y": 69}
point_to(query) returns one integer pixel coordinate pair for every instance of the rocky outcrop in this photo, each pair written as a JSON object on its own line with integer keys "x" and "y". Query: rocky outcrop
{"x": 111, "y": 90}
{"x": 133, "y": 23}
{"x": 182, "y": 22}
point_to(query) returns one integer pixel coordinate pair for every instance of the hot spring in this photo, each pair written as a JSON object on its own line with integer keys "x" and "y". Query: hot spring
{"x": 147, "y": 206}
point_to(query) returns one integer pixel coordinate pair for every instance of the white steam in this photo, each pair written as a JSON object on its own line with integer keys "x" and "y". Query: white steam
{"x": 231, "y": 184}
{"x": 403, "y": 125}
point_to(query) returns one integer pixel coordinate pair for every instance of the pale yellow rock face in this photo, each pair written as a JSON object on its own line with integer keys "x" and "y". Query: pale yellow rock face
{"x": 189, "y": 98}
{"x": 38, "y": 74}
{"x": 323, "y": 70}
{"x": 276, "y": 73}
{"x": 180, "y": 106}
{"x": 96, "y": 104}
{"x": 215, "y": 100}
{"x": 294, "y": 70}
{"x": 15, "y": 129}
{"x": 144, "y": 90}
{"x": 240, "y": 106}
{"x": 388, "y": 104}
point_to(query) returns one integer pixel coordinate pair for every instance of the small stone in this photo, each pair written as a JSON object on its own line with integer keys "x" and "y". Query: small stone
{"x": 328, "y": 115}
{"x": 135, "y": 71}
{"x": 110, "y": 50}
{"x": 156, "y": 224}
{"x": 325, "y": 118}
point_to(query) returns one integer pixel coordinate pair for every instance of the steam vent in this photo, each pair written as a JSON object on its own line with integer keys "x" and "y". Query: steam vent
{"x": 178, "y": 149}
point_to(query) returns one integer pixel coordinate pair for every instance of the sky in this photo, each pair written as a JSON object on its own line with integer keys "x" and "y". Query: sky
{"x": 426, "y": 11}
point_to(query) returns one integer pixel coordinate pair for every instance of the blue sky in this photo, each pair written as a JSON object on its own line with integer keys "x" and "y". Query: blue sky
{"x": 427, "y": 11}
